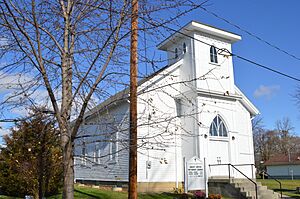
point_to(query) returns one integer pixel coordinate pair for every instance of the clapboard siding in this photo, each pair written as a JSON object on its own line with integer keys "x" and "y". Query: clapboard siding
{"x": 103, "y": 127}
{"x": 284, "y": 171}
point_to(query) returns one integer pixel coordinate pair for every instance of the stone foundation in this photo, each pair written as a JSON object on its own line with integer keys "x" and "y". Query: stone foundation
{"x": 158, "y": 186}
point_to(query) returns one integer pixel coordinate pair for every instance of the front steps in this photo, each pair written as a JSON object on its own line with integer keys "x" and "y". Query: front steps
{"x": 247, "y": 188}
{"x": 240, "y": 188}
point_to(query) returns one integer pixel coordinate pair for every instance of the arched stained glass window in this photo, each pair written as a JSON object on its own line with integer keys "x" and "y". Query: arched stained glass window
{"x": 218, "y": 128}
{"x": 213, "y": 55}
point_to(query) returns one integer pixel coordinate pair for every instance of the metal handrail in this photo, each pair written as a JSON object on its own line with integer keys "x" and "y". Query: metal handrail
{"x": 230, "y": 165}
{"x": 269, "y": 176}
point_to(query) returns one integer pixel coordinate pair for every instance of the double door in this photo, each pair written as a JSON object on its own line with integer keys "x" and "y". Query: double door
{"x": 218, "y": 154}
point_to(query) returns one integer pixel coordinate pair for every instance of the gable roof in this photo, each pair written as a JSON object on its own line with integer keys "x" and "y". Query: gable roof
{"x": 283, "y": 159}
{"x": 122, "y": 95}
{"x": 246, "y": 102}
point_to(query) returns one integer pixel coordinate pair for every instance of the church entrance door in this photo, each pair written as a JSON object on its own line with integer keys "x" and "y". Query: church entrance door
{"x": 218, "y": 154}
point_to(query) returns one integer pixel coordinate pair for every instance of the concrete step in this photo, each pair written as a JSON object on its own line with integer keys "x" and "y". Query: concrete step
{"x": 252, "y": 189}
{"x": 244, "y": 183}
{"x": 247, "y": 189}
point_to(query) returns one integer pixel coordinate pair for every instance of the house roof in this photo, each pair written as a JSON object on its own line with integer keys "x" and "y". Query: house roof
{"x": 124, "y": 95}
{"x": 246, "y": 102}
{"x": 283, "y": 159}
{"x": 199, "y": 27}
{"x": 121, "y": 95}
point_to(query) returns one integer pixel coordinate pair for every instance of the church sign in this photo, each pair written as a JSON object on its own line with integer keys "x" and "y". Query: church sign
{"x": 194, "y": 174}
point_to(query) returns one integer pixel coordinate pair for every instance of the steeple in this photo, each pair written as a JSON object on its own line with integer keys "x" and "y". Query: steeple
{"x": 204, "y": 50}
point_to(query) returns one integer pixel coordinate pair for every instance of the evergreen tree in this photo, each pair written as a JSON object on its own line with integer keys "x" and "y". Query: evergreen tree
{"x": 31, "y": 163}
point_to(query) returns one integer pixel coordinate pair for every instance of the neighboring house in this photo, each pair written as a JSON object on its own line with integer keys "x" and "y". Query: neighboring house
{"x": 284, "y": 166}
{"x": 190, "y": 108}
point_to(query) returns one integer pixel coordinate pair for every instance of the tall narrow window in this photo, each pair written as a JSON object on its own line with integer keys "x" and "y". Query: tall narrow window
{"x": 184, "y": 48}
{"x": 178, "y": 107}
{"x": 113, "y": 150}
{"x": 213, "y": 55}
{"x": 99, "y": 156}
{"x": 176, "y": 53}
{"x": 83, "y": 154}
{"x": 218, "y": 128}
{"x": 113, "y": 147}
{"x": 95, "y": 155}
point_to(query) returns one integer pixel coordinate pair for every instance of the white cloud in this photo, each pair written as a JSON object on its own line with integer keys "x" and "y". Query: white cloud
{"x": 266, "y": 91}
{"x": 9, "y": 82}
{"x": 4, "y": 131}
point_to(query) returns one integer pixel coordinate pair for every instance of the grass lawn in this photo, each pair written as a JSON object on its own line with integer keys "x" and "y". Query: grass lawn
{"x": 288, "y": 186}
{"x": 93, "y": 193}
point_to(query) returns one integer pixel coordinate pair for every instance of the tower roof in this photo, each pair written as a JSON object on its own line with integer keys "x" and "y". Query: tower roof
{"x": 195, "y": 26}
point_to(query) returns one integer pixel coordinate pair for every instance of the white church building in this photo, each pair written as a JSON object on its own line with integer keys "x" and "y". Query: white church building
{"x": 192, "y": 120}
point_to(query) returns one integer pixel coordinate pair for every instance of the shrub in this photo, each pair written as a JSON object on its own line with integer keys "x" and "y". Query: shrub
{"x": 199, "y": 195}
{"x": 184, "y": 196}
{"x": 214, "y": 196}
{"x": 178, "y": 190}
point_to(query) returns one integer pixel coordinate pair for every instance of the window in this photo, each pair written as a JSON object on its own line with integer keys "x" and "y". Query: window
{"x": 176, "y": 53}
{"x": 213, "y": 55}
{"x": 218, "y": 128}
{"x": 178, "y": 107}
{"x": 97, "y": 154}
{"x": 184, "y": 48}
{"x": 94, "y": 157}
{"x": 113, "y": 148}
{"x": 83, "y": 154}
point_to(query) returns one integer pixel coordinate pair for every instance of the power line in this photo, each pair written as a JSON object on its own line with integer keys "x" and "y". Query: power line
{"x": 231, "y": 54}
{"x": 251, "y": 34}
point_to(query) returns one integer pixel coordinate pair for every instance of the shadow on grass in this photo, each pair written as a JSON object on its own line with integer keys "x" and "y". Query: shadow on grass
{"x": 87, "y": 194}
{"x": 290, "y": 192}
{"x": 284, "y": 190}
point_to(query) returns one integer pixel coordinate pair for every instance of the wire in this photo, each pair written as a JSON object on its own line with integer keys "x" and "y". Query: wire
{"x": 231, "y": 54}
{"x": 251, "y": 34}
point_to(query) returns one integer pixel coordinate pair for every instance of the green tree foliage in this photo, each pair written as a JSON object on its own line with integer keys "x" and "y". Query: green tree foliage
{"x": 31, "y": 162}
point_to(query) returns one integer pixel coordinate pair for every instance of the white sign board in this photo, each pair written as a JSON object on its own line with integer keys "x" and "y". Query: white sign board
{"x": 194, "y": 173}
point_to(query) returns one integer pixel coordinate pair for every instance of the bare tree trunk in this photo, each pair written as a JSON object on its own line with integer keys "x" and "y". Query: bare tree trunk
{"x": 68, "y": 164}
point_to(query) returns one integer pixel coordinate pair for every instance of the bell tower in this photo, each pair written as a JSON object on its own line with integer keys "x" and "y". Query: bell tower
{"x": 205, "y": 51}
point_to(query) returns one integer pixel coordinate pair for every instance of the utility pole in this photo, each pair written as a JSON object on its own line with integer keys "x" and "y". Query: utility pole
{"x": 132, "y": 189}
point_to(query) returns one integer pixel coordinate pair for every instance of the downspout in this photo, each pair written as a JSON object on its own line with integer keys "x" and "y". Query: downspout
{"x": 176, "y": 166}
